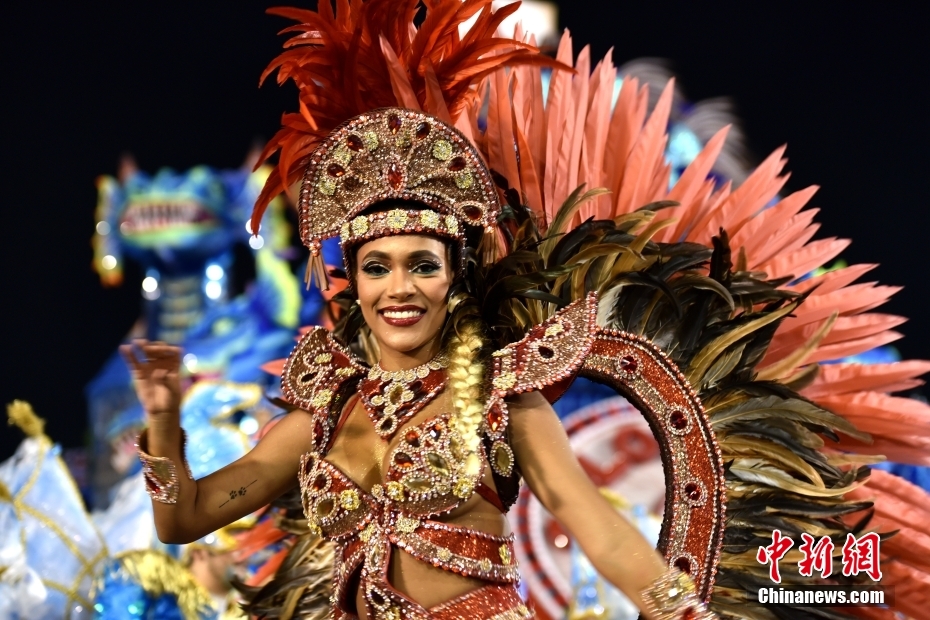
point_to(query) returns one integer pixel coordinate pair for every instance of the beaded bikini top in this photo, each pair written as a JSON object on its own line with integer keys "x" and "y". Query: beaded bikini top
{"x": 426, "y": 477}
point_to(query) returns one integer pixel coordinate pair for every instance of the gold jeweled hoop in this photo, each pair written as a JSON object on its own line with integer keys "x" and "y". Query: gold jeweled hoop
{"x": 571, "y": 343}
{"x": 695, "y": 487}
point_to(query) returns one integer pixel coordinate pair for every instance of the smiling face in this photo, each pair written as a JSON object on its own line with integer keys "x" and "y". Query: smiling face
{"x": 402, "y": 283}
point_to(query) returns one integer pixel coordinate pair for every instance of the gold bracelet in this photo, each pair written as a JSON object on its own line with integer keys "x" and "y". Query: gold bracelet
{"x": 160, "y": 472}
{"x": 674, "y": 597}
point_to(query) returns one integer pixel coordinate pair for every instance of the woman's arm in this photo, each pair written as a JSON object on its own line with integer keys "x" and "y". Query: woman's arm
{"x": 240, "y": 488}
{"x": 616, "y": 549}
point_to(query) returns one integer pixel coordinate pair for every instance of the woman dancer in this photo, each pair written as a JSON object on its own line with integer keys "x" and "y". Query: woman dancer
{"x": 409, "y": 465}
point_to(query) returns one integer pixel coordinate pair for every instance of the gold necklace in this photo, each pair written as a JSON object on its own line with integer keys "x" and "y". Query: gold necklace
{"x": 392, "y": 397}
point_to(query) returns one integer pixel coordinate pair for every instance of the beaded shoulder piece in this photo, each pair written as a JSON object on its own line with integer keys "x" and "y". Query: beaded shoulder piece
{"x": 547, "y": 360}
{"x": 314, "y": 377}
{"x": 550, "y": 354}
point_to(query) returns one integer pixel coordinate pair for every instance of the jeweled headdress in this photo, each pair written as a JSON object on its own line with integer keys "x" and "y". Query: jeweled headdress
{"x": 394, "y": 154}
{"x": 379, "y": 104}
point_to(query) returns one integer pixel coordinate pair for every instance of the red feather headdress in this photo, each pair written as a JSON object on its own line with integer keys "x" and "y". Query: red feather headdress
{"x": 369, "y": 54}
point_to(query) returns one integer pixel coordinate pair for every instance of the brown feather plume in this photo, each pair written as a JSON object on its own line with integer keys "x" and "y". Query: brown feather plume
{"x": 367, "y": 54}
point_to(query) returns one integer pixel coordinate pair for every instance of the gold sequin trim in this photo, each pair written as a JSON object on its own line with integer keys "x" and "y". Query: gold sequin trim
{"x": 371, "y": 140}
{"x": 463, "y": 488}
{"x": 349, "y": 499}
{"x": 464, "y": 180}
{"x": 504, "y": 552}
{"x": 442, "y": 150}
{"x": 365, "y": 227}
{"x": 322, "y": 398}
{"x": 406, "y": 525}
{"x": 429, "y": 218}
{"x": 327, "y": 186}
{"x": 366, "y": 534}
{"x": 395, "y": 491}
{"x": 360, "y": 225}
{"x": 397, "y": 218}
{"x": 505, "y": 381}
{"x": 522, "y": 612}
{"x": 342, "y": 155}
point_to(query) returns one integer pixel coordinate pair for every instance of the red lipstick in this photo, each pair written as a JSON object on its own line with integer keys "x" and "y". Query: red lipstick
{"x": 401, "y": 316}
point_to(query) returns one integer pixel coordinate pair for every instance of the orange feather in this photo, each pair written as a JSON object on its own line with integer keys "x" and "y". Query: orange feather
{"x": 367, "y": 54}
{"x": 754, "y": 235}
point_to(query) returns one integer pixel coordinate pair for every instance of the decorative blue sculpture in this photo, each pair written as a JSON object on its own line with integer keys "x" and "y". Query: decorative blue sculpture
{"x": 182, "y": 229}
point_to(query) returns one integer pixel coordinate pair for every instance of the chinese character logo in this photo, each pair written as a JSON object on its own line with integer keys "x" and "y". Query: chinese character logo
{"x": 773, "y": 553}
{"x": 817, "y": 557}
{"x": 861, "y": 556}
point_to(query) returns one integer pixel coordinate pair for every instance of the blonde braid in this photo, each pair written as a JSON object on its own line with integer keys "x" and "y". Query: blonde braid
{"x": 466, "y": 376}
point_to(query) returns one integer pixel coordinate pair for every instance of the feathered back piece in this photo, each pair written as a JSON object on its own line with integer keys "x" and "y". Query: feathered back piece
{"x": 727, "y": 280}
{"x": 369, "y": 54}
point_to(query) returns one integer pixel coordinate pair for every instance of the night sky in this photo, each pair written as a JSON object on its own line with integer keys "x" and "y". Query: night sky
{"x": 175, "y": 83}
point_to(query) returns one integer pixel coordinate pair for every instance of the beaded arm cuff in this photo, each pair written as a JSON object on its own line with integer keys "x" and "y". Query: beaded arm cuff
{"x": 674, "y": 597}
{"x": 160, "y": 472}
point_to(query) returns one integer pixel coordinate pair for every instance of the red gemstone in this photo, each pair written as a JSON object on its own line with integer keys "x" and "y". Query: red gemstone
{"x": 308, "y": 465}
{"x": 689, "y": 614}
{"x": 393, "y": 123}
{"x": 678, "y": 419}
{"x": 403, "y": 459}
{"x": 413, "y": 438}
{"x": 684, "y": 565}
{"x": 335, "y": 170}
{"x": 416, "y": 386}
{"x": 693, "y": 491}
{"x": 457, "y": 164}
{"x": 546, "y": 352}
{"x": 319, "y": 483}
{"x": 422, "y": 130}
{"x": 376, "y": 597}
{"x": 473, "y": 212}
{"x": 318, "y": 432}
{"x": 386, "y": 425}
{"x": 495, "y": 418}
{"x": 351, "y": 183}
{"x": 354, "y": 142}
{"x": 628, "y": 363}
{"x": 395, "y": 175}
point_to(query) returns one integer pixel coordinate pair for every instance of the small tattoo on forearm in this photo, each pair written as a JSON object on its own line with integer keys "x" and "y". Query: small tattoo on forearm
{"x": 238, "y": 492}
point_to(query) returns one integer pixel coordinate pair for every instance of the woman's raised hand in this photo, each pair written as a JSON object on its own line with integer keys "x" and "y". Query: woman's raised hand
{"x": 156, "y": 372}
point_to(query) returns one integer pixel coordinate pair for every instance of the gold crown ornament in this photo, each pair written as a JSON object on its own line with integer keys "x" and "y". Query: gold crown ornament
{"x": 399, "y": 154}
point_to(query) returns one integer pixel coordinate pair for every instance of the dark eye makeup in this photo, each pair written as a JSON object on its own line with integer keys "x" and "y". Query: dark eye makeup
{"x": 426, "y": 267}
{"x": 374, "y": 268}
{"x": 419, "y": 266}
